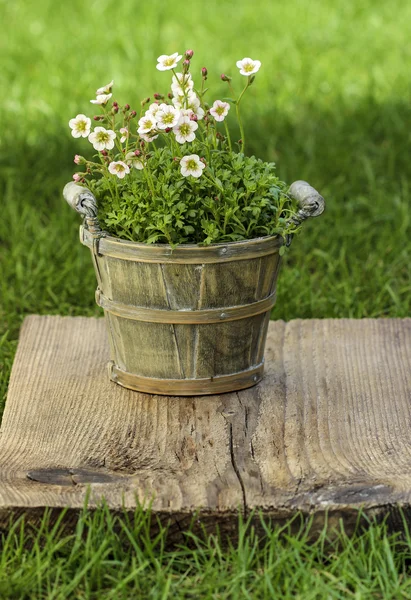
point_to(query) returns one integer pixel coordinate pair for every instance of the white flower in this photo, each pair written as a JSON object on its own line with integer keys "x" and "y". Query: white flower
{"x": 184, "y": 130}
{"x": 101, "y": 99}
{"x": 102, "y": 139}
{"x": 167, "y": 116}
{"x": 191, "y": 165}
{"x": 219, "y": 110}
{"x": 147, "y": 123}
{"x": 181, "y": 83}
{"x": 168, "y": 62}
{"x": 134, "y": 161}
{"x": 125, "y": 135}
{"x": 119, "y": 168}
{"x": 248, "y": 66}
{"x": 152, "y": 109}
{"x": 106, "y": 89}
{"x": 148, "y": 138}
{"x": 191, "y": 103}
{"x": 80, "y": 126}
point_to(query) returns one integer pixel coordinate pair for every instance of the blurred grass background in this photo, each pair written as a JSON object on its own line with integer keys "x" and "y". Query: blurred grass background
{"x": 331, "y": 105}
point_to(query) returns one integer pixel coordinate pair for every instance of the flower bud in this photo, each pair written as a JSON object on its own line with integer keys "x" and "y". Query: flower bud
{"x": 251, "y": 80}
{"x": 76, "y": 177}
{"x": 115, "y": 110}
{"x": 168, "y": 129}
{"x": 115, "y": 104}
{"x": 170, "y": 96}
{"x": 193, "y": 117}
{"x": 189, "y": 54}
{"x": 203, "y": 161}
{"x": 240, "y": 142}
{"x": 137, "y": 152}
{"x": 77, "y": 159}
{"x": 145, "y": 101}
{"x": 158, "y": 96}
{"x": 126, "y": 107}
{"x": 204, "y": 72}
{"x": 186, "y": 66}
{"x": 104, "y": 152}
{"x": 133, "y": 114}
{"x": 98, "y": 117}
{"x": 176, "y": 159}
{"x": 142, "y": 143}
{"x": 225, "y": 77}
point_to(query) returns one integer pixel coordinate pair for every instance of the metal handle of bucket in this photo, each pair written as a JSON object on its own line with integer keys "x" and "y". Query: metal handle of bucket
{"x": 311, "y": 203}
{"x": 85, "y": 203}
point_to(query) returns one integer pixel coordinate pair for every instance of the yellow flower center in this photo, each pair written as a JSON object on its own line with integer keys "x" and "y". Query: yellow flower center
{"x": 168, "y": 118}
{"x": 191, "y": 165}
{"x": 185, "y": 129}
{"x": 102, "y": 136}
{"x": 220, "y": 110}
{"x": 168, "y": 62}
{"x": 81, "y": 126}
{"x": 248, "y": 67}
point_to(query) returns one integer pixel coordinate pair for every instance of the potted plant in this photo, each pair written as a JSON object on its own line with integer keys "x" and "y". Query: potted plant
{"x": 186, "y": 234}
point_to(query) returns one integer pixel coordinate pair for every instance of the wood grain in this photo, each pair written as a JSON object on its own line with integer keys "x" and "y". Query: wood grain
{"x": 327, "y": 431}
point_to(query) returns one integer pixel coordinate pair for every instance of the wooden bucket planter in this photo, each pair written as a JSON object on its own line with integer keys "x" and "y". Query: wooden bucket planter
{"x": 190, "y": 320}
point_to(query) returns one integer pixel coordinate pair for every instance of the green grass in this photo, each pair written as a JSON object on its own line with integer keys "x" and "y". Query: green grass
{"x": 115, "y": 558}
{"x": 330, "y": 105}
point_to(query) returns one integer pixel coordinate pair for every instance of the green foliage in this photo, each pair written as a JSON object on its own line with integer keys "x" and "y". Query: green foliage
{"x": 242, "y": 199}
{"x": 114, "y": 557}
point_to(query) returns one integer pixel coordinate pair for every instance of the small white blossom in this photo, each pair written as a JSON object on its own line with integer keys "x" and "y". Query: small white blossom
{"x": 219, "y": 110}
{"x": 80, "y": 126}
{"x": 248, "y": 66}
{"x": 184, "y": 130}
{"x": 152, "y": 109}
{"x": 101, "y": 99}
{"x": 125, "y": 133}
{"x": 119, "y": 168}
{"x": 147, "y": 123}
{"x": 102, "y": 139}
{"x": 191, "y": 165}
{"x": 191, "y": 103}
{"x": 165, "y": 63}
{"x": 134, "y": 161}
{"x": 167, "y": 116}
{"x": 106, "y": 89}
{"x": 181, "y": 83}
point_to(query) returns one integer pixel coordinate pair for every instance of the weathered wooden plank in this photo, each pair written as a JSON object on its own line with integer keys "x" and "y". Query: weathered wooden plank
{"x": 328, "y": 429}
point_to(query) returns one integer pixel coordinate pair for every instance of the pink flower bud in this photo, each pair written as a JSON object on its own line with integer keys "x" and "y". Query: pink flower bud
{"x": 225, "y": 77}
{"x": 137, "y": 152}
{"x": 189, "y": 54}
{"x": 170, "y": 96}
{"x": 126, "y": 107}
{"x": 132, "y": 114}
{"x": 168, "y": 129}
{"x": 193, "y": 117}
{"x": 204, "y": 72}
{"x": 104, "y": 152}
{"x": 76, "y": 177}
{"x": 176, "y": 159}
{"x": 158, "y": 96}
{"x": 98, "y": 118}
{"x": 203, "y": 160}
{"x": 115, "y": 110}
{"x": 186, "y": 64}
{"x": 77, "y": 159}
{"x": 115, "y": 104}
